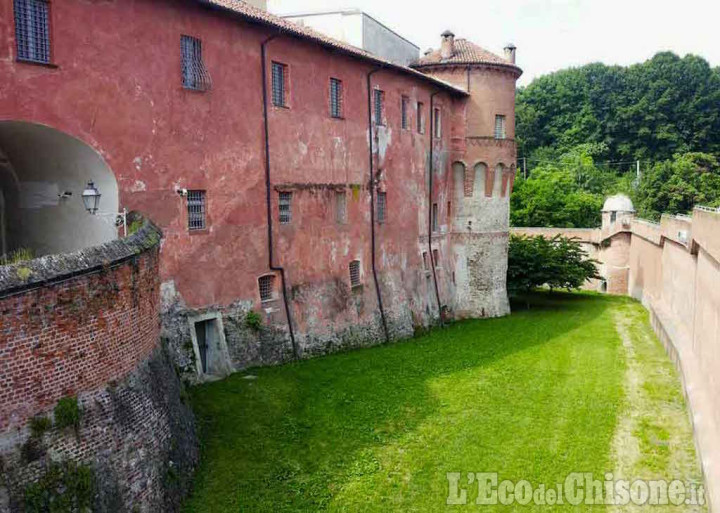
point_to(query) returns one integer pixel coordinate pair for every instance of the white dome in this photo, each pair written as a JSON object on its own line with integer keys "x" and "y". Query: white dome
{"x": 618, "y": 203}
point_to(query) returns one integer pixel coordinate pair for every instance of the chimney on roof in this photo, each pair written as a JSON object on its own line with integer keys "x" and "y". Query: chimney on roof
{"x": 447, "y": 45}
{"x": 510, "y": 50}
{"x": 428, "y": 51}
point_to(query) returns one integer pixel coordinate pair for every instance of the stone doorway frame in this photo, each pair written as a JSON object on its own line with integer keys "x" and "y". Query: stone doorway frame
{"x": 227, "y": 367}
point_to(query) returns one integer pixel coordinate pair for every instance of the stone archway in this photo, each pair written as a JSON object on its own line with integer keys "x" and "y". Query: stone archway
{"x": 43, "y": 172}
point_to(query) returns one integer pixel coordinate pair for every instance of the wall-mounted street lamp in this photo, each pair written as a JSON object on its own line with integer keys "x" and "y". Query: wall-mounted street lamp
{"x": 91, "y": 199}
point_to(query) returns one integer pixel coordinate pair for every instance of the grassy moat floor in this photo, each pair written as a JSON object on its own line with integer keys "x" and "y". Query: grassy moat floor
{"x": 577, "y": 383}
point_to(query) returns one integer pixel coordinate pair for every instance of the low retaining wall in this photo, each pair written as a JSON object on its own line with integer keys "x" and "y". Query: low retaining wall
{"x": 83, "y": 329}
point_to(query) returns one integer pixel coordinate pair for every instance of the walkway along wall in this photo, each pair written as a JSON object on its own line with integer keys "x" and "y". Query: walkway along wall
{"x": 86, "y": 325}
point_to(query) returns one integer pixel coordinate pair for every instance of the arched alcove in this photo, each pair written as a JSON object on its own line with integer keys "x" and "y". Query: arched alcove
{"x": 43, "y": 172}
{"x": 481, "y": 171}
{"x": 497, "y": 184}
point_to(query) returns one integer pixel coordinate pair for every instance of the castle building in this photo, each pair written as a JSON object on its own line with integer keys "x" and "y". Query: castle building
{"x": 343, "y": 198}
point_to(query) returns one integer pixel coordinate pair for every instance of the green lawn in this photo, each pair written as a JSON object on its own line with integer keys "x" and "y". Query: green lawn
{"x": 578, "y": 383}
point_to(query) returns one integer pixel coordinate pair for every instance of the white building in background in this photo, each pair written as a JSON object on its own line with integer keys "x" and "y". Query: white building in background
{"x": 361, "y": 30}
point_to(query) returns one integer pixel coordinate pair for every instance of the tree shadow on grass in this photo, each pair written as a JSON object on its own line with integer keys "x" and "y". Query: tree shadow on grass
{"x": 297, "y": 437}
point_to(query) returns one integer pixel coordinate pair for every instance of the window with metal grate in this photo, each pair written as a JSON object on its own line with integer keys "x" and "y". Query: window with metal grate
{"x": 336, "y": 98}
{"x": 435, "y": 224}
{"x": 379, "y": 107}
{"x": 194, "y": 74}
{"x": 437, "y": 122}
{"x": 499, "y": 127}
{"x": 404, "y": 112}
{"x": 285, "y": 207}
{"x": 266, "y": 284}
{"x": 32, "y": 30}
{"x": 381, "y": 207}
{"x": 341, "y": 207}
{"x": 196, "y": 210}
{"x": 355, "y": 280}
{"x": 420, "y": 118}
{"x": 279, "y": 84}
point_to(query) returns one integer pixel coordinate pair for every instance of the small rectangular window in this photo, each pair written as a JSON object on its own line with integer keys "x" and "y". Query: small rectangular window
{"x": 499, "y": 127}
{"x": 379, "y": 107}
{"x": 420, "y": 118}
{"x": 437, "y": 123}
{"x": 336, "y": 98}
{"x": 32, "y": 30}
{"x": 284, "y": 207}
{"x": 279, "y": 84}
{"x": 404, "y": 112}
{"x": 194, "y": 73}
{"x": 355, "y": 273}
{"x": 426, "y": 266}
{"x": 341, "y": 207}
{"x": 436, "y": 258}
{"x": 196, "y": 210}
{"x": 381, "y": 207}
{"x": 266, "y": 284}
{"x": 435, "y": 225}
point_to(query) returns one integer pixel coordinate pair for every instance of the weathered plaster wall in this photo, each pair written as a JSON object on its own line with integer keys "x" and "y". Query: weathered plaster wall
{"x": 675, "y": 272}
{"x": 86, "y": 325}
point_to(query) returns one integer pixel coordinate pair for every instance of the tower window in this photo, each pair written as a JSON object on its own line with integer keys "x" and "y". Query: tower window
{"x": 197, "y": 218}
{"x": 435, "y": 224}
{"x": 285, "y": 207}
{"x": 381, "y": 207}
{"x": 426, "y": 266}
{"x": 379, "y": 107}
{"x": 420, "y": 118}
{"x": 266, "y": 285}
{"x": 336, "y": 98}
{"x": 404, "y": 112}
{"x": 341, "y": 207}
{"x": 279, "y": 84}
{"x": 500, "y": 127}
{"x": 355, "y": 273}
{"x": 437, "y": 122}
{"x": 194, "y": 74}
{"x": 436, "y": 258}
{"x": 32, "y": 30}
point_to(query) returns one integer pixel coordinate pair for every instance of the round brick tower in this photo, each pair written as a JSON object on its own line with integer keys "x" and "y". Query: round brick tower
{"x": 483, "y": 157}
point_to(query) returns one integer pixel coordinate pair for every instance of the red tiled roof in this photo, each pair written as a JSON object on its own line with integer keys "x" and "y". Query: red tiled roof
{"x": 254, "y": 14}
{"x": 465, "y": 53}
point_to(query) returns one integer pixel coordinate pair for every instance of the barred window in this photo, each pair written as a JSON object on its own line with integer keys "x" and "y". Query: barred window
{"x": 194, "y": 74}
{"x": 437, "y": 122}
{"x": 436, "y": 258}
{"x": 379, "y": 107}
{"x": 196, "y": 210}
{"x": 355, "y": 273}
{"x": 499, "y": 127}
{"x": 404, "y": 112}
{"x": 266, "y": 284}
{"x": 435, "y": 223}
{"x": 279, "y": 84}
{"x": 285, "y": 207}
{"x": 341, "y": 207}
{"x": 420, "y": 118}
{"x": 381, "y": 207}
{"x": 336, "y": 98}
{"x": 32, "y": 30}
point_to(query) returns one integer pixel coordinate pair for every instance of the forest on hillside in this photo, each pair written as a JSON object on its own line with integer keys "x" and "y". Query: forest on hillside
{"x": 581, "y": 132}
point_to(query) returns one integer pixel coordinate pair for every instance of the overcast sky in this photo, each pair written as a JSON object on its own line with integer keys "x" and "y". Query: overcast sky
{"x": 549, "y": 34}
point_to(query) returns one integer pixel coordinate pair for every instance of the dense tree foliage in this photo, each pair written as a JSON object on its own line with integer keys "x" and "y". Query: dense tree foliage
{"x": 559, "y": 263}
{"x": 649, "y": 111}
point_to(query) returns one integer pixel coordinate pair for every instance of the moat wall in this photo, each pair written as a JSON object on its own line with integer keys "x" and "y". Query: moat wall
{"x": 86, "y": 326}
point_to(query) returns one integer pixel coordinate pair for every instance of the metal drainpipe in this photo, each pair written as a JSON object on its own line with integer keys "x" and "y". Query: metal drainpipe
{"x": 372, "y": 205}
{"x": 268, "y": 195}
{"x": 430, "y": 203}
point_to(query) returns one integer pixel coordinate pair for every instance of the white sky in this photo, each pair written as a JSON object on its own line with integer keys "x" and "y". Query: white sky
{"x": 549, "y": 34}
